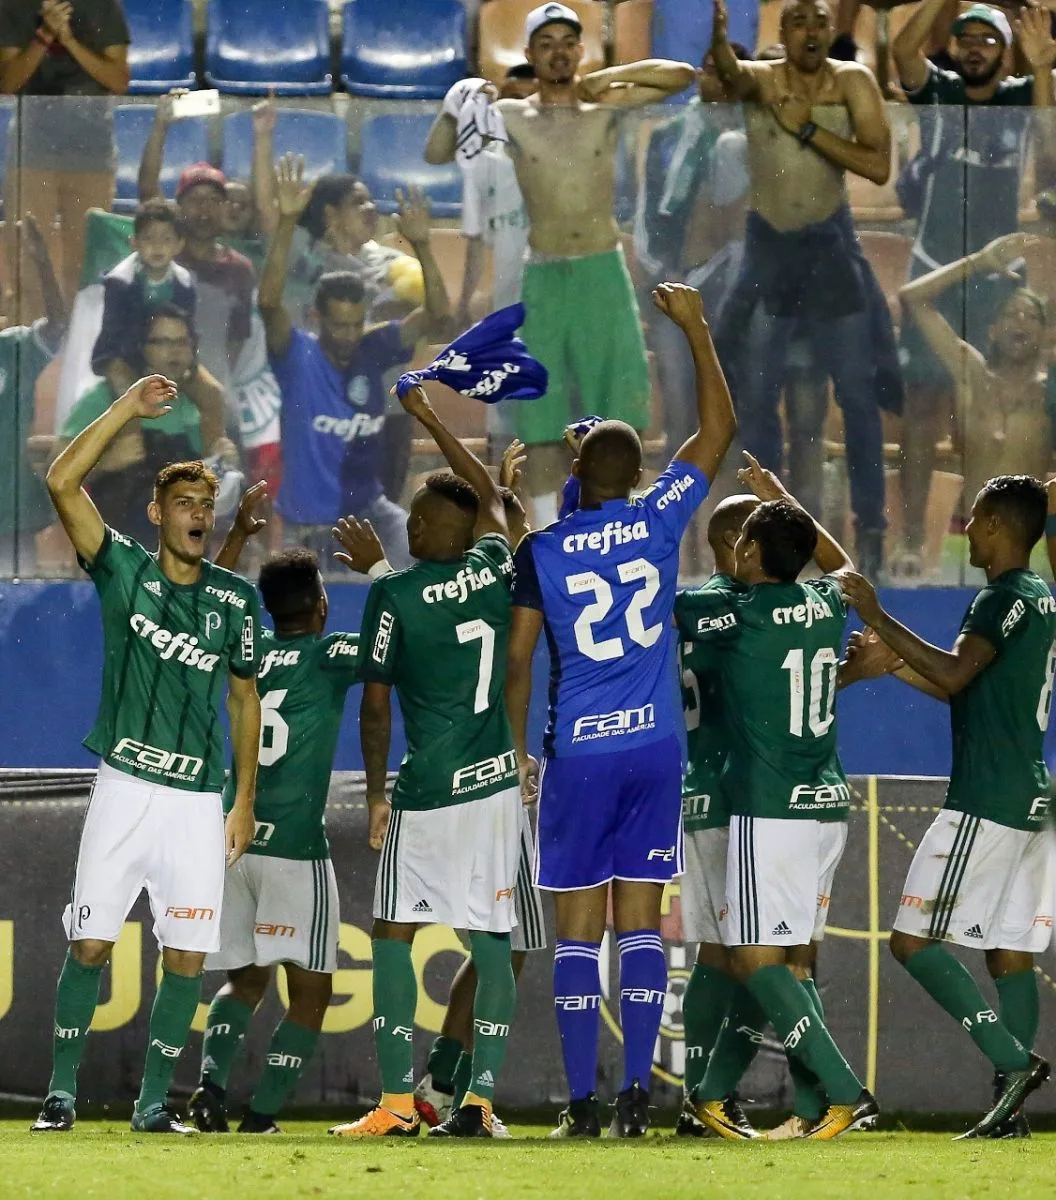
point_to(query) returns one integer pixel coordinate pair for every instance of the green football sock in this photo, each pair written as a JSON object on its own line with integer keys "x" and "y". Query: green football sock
{"x": 460, "y": 1080}
{"x": 809, "y": 1101}
{"x": 735, "y": 1048}
{"x": 170, "y": 1023}
{"x": 948, "y": 982}
{"x": 1018, "y": 1003}
{"x": 395, "y": 1001}
{"x": 76, "y": 999}
{"x": 704, "y": 1005}
{"x": 492, "y": 1009}
{"x": 788, "y": 1006}
{"x": 225, "y": 1031}
{"x": 443, "y": 1059}
{"x": 292, "y": 1046}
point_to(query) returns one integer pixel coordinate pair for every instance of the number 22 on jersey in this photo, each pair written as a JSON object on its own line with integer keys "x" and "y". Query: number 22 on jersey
{"x": 637, "y": 570}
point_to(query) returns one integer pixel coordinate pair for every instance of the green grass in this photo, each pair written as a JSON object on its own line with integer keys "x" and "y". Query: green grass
{"x": 103, "y": 1160}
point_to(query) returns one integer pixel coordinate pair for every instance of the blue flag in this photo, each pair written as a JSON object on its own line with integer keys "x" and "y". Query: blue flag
{"x": 487, "y": 362}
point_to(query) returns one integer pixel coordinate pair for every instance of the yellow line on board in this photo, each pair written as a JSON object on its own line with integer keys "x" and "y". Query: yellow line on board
{"x": 873, "y": 1035}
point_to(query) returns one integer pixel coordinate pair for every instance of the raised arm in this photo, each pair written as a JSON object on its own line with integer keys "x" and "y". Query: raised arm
{"x": 150, "y": 398}
{"x": 442, "y": 139}
{"x": 511, "y": 476}
{"x": 291, "y": 195}
{"x": 524, "y": 633}
{"x": 375, "y": 734}
{"x": 412, "y": 222}
{"x": 742, "y": 80}
{"x": 1033, "y": 30}
{"x": 55, "y": 308}
{"x": 948, "y": 670}
{"x": 716, "y": 423}
{"x": 246, "y": 525}
{"x": 634, "y": 84}
{"x": 492, "y": 515}
{"x": 149, "y": 181}
{"x": 263, "y": 171}
{"x": 829, "y": 555}
{"x": 243, "y": 710}
{"x": 908, "y": 46}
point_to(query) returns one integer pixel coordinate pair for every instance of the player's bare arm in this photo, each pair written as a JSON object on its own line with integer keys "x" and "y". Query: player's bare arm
{"x": 716, "y": 422}
{"x": 292, "y": 194}
{"x": 869, "y": 153}
{"x": 148, "y": 399}
{"x": 525, "y": 628}
{"x": 830, "y": 556}
{"x": 908, "y": 46}
{"x": 511, "y": 475}
{"x": 375, "y": 734}
{"x": 412, "y": 223}
{"x": 247, "y": 524}
{"x": 491, "y": 517}
{"x": 867, "y": 657}
{"x": 948, "y": 670}
{"x": 243, "y": 710}
{"x": 635, "y": 84}
{"x": 742, "y": 80}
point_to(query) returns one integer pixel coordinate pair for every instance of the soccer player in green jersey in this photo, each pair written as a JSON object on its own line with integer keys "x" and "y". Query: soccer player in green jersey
{"x": 450, "y": 839}
{"x": 173, "y": 626}
{"x": 280, "y": 899}
{"x": 778, "y": 643}
{"x": 981, "y": 875}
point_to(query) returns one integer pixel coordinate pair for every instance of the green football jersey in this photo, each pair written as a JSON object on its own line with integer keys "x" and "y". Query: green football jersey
{"x": 999, "y": 720}
{"x": 302, "y": 684}
{"x": 707, "y": 742}
{"x": 779, "y": 647}
{"x": 438, "y": 632}
{"x": 167, "y": 649}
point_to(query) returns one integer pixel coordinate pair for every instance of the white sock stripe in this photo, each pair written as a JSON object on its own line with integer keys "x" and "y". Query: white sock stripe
{"x": 642, "y": 943}
{"x": 577, "y": 952}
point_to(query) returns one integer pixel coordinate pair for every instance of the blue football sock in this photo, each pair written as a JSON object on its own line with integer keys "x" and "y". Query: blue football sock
{"x": 643, "y": 988}
{"x": 577, "y": 1002}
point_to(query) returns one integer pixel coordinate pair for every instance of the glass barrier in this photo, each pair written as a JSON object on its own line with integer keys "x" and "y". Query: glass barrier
{"x": 883, "y": 408}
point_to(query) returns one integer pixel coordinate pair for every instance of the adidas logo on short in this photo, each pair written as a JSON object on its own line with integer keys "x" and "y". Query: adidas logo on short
{"x": 486, "y": 1079}
{"x": 153, "y": 586}
{"x": 974, "y": 932}
{"x": 422, "y": 907}
{"x": 782, "y": 930}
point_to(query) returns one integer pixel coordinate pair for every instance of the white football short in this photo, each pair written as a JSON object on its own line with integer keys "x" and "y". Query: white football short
{"x": 779, "y": 874}
{"x": 452, "y": 866}
{"x": 976, "y": 883}
{"x": 137, "y": 835}
{"x": 530, "y": 933}
{"x": 279, "y": 910}
{"x": 703, "y": 886}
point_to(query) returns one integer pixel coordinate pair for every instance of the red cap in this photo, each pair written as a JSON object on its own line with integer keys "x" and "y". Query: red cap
{"x": 198, "y": 173}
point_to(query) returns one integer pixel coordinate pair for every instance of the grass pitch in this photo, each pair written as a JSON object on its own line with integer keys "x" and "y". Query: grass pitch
{"x": 104, "y": 1160}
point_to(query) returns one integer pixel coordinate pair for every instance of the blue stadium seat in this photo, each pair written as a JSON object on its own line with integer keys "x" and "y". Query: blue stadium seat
{"x": 682, "y": 31}
{"x": 253, "y": 46}
{"x": 321, "y": 137}
{"x": 392, "y": 158}
{"x": 403, "y": 49}
{"x": 187, "y": 142}
{"x": 161, "y": 56}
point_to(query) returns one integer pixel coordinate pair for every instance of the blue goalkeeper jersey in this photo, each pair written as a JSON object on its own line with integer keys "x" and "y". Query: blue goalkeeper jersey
{"x": 604, "y": 579}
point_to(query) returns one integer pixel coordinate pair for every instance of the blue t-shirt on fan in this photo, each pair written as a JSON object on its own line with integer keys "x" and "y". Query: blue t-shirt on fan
{"x": 332, "y": 420}
{"x": 604, "y": 579}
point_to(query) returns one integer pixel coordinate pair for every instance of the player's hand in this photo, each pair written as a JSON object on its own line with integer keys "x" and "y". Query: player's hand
{"x": 868, "y": 657}
{"x": 761, "y": 483}
{"x": 150, "y": 398}
{"x": 861, "y": 596}
{"x": 528, "y": 771}
{"x": 264, "y": 114}
{"x": 999, "y": 255}
{"x": 380, "y": 810}
{"x": 412, "y": 220}
{"x": 361, "y": 547}
{"x": 415, "y": 402}
{"x": 239, "y": 827}
{"x": 291, "y": 192}
{"x": 246, "y": 520}
{"x": 680, "y": 303}
{"x": 791, "y": 113}
{"x": 511, "y": 469}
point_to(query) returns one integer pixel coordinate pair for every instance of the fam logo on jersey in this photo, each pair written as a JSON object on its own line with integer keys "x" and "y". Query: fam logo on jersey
{"x": 155, "y": 760}
{"x": 1012, "y": 617}
{"x": 249, "y": 635}
{"x": 181, "y": 645}
{"x": 716, "y": 624}
{"x": 458, "y": 589}
{"x": 358, "y": 390}
{"x": 488, "y": 770}
{"x": 612, "y": 533}
{"x": 383, "y": 638}
{"x": 614, "y": 724}
{"x": 675, "y": 492}
{"x": 836, "y": 795}
{"x": 362, "y": 425}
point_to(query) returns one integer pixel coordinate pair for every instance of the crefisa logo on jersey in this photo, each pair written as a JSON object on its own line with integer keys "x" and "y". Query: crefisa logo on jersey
{"x": 612, "y": 533}
{"x": 278, "y": 658}
{"x": 458, "y": 589}
{"x": 181, "y": 646}
{"x": 342, "y": 649}
{"x": 675, "y": 492}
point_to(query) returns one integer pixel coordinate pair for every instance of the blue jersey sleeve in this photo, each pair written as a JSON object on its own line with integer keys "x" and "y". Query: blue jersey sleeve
{"x": 289, "y": 367}
{"x": 675, "y": 497}
{"x": 526, "y": 590}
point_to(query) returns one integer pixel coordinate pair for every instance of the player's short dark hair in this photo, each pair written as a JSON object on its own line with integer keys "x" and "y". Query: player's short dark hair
{"x": 1019, "y": 502}
{"x": 458, "y": 491}
{"x": 156, "y": 212}
{"x": 786, "y": 537}
{"x": 330, "y": 191}
{"x": 168, "y": 312}
{"x": 290, "y": 585}
{"x": 730, "y": 516}
{"x": 523, "y": 70}
{"x": 610, "y": 457}
{"x": 510, "y": 502}
{"x": 339, "y": 285}
{"x": 194, "y": 471}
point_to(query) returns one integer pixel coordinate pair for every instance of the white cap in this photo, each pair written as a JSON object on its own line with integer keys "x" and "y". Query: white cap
{"x": 548, "y": 14}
